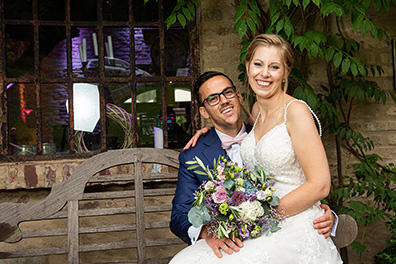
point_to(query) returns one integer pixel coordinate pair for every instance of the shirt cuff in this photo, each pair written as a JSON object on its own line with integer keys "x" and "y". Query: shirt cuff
{"x": 334, "y": 229}
{"x": 193, "y": 234}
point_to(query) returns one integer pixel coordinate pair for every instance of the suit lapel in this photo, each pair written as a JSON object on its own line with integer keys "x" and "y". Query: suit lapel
{"x": 212, "y": 148}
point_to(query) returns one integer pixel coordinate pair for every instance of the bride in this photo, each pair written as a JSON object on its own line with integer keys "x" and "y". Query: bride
{"x": 284, "y": 141}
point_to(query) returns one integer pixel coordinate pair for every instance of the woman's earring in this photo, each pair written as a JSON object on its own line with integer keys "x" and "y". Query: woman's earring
{"x": 283, "y": 80}
{"x": 247, "y": 74}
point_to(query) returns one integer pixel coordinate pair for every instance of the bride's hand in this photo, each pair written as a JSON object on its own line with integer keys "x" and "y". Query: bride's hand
{"x": 325, "y": 223}
{"x": 225, "y": 244}
{"x": 194, "y": 139}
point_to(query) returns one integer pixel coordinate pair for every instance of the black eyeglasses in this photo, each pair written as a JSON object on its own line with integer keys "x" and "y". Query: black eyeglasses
{"x": 214, "y": 99}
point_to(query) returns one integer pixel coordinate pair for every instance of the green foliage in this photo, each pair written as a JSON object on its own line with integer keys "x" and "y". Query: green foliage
{"x": 182, "y": 13}
{"x": 306, "y": 25}
{"x": 346, "y": 84}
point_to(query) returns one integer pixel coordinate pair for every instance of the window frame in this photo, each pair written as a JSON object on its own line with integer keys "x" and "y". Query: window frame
{"x": 101, "y": 79}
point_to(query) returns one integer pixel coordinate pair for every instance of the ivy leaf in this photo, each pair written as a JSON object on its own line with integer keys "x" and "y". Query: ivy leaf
{"x": 337, "y": 59}
{"x": 357, "y": 19}
{"x": 181, "y": 19}
{"x": 361, "y": 94}
{"x": 253, "y": 5}
{"x": 279, "y": 25}
{"x": 171, "y": 20}
{"x": 191, "y": 8}
{"x": 251, "y": 25}
{"x": 329, "y": 54}
{"x": 186, "y": 13}
{"x": 242, "y": 29}
{"x": 354, "y": 69}
{"x": 240, "y": 11}
{"x": 306, "y": 3}
{"x": 346, "y": 63}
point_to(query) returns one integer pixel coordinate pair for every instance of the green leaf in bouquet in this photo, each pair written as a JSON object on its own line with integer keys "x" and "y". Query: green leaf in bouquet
{"x": 193, "y": 167}
{"x": 190, "y": 162}
{"x": 200, "y": 172}
{"x": 222, "y": 217}
{"x": 222, "y": 232}
{"x": 266, "y": 208}
{"x": 274, "y": 201}
{"x": 198, "y": 216}
{"x": 274, "y": 226}
{"x": 229, "y": 184}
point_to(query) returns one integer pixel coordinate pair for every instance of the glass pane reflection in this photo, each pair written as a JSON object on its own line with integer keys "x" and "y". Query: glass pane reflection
{"x": 22, "y": 118}
{"x": 119, "y": 118}
{"x": 149, "y": 108}
{"x": 53, "y": 52}
{"x": 20, "y": 61}
{"x": 55, "y": 117}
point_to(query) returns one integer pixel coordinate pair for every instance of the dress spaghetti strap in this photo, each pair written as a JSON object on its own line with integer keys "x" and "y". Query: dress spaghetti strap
{"x": 312, "y": 113}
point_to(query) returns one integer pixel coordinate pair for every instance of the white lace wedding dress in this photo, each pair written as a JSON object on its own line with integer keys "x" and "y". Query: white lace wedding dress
{"x": 297, "y": 242}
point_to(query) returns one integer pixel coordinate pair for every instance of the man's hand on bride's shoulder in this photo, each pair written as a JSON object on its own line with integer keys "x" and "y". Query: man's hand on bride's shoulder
{"x": 193, "y": 141}
{"x": 225, "y": 244}
{"x": 325, "y": 223}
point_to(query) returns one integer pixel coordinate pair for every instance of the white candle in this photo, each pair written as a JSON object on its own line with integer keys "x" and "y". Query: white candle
{"x": 111, "y": 55}
{"x": 84, "y": 40}
{"x": 81, "y": 52}
{"x": 107, "y": 49}
{"x": 158, "y": 138}
{"x": 95, "y": 43}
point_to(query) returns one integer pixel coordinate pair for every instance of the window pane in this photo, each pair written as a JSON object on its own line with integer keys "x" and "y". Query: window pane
{"x": 53, "y": 61}
{"x": 22, "y": 118}
{"x": 144, "y": 39}
{"x": 55, "y": 117}
{"x": 149, "y": 108}
{"x": 115, "y": 10}
{"x": 145, "y": 12}
{"x": 177, "y": 62}
{"x": 117, "y": 50}
{"x": 83, "y": 10}
{"x": 52, "y": 10}
{"x": 148, "y": 100}
{"x": 19, "y": 42}
{"x": 178, "y": 97}
{"x": 84, "y": 60}
{"x": 119, "y": 118}
{"x": 86, "y": 106}
{"x": 18, "y": 9}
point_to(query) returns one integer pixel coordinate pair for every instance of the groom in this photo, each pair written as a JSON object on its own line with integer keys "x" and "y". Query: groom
{"x": 221, "y": 103}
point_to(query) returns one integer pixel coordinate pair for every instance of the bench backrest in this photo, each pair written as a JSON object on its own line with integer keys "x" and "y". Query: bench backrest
{"x": 110, "y": 203}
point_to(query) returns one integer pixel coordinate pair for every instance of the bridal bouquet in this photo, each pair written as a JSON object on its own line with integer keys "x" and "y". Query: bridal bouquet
{"x": 234, "y": 202}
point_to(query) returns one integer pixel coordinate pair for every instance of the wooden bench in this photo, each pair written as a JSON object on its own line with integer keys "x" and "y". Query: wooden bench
{"x": 112, "y": 209}
{"x": 112, "y": 203}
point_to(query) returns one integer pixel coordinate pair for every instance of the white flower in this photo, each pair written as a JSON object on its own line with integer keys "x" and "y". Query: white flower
{"x": 239, "y": 188}
{"x": 268, "y": 192}
{"x": 261, "y": 195}
{"x": 251, "y": 210}
{"x": 209, "y": 185}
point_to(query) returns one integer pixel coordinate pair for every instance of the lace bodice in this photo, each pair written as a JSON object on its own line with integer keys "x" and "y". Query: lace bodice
{"x": 274, "y": 153}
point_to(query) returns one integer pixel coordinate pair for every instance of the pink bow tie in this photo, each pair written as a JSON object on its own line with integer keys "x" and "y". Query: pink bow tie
{"x": 228, "y": 141}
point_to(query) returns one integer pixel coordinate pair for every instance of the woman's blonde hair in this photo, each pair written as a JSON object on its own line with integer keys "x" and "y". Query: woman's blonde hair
{"x": 267, "y": 40}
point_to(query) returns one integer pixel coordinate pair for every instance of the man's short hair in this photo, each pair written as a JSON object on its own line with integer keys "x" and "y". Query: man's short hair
{"x": 205, "y": 77}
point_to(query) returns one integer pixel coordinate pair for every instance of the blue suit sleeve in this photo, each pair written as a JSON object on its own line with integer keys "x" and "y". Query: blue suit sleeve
{"x": 187, "y": 184}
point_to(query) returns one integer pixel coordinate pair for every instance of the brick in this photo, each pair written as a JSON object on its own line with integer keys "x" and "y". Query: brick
{"x": 31, "y": 178}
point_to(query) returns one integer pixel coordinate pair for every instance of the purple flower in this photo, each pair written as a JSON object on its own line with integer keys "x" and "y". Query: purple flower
{"x": 220, "y": 195}
{"x": 238, "y": 197}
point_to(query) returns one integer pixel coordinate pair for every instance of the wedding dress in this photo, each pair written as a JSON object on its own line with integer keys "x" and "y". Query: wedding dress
{"x": 297, "y": 242}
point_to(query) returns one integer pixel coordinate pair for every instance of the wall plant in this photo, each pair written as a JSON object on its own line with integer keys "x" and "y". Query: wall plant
{"x": 314, "y": 28}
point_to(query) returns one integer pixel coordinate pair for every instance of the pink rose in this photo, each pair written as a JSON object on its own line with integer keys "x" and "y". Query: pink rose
{"x": 220, "y": 170}
{"x": 220, "y": 195}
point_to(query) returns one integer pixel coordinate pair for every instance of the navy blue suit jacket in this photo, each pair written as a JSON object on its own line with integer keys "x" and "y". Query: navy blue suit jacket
{"x": 207, "y": 149}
